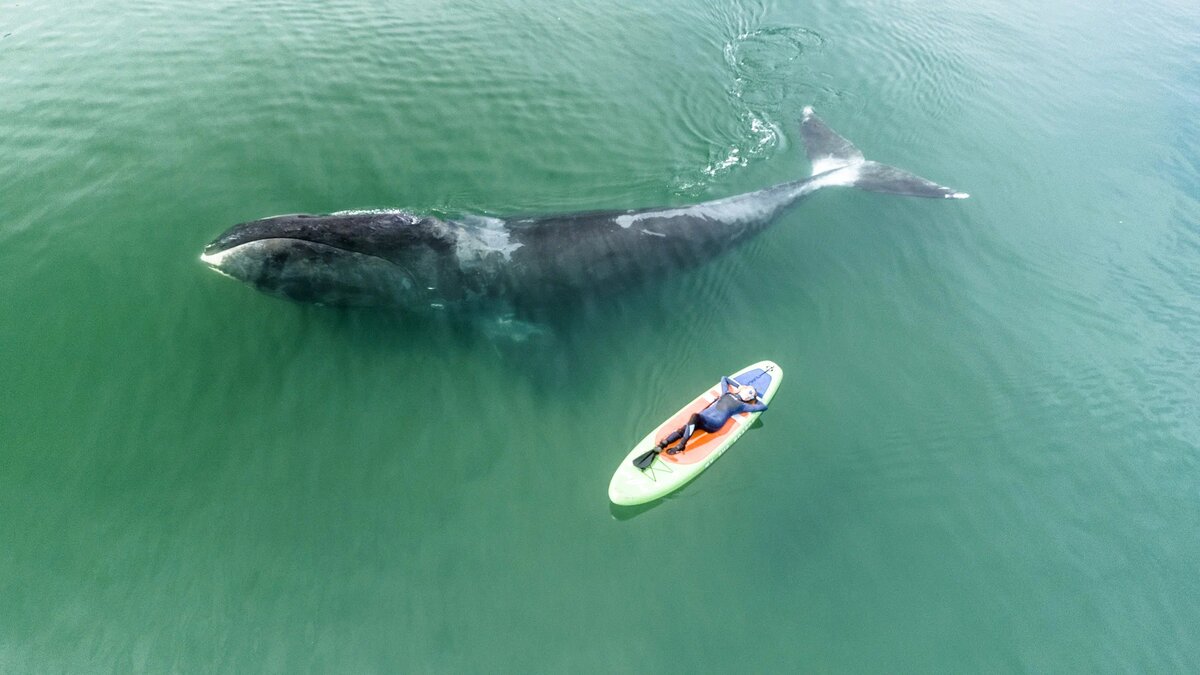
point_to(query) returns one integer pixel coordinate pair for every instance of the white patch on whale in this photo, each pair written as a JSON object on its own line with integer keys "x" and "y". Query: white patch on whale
{"x": 827, "y": 163}
{"x": 480, "y": 237}
{"x": 218, "y": 260}
{"x": 730, "y": 210}
{"x": 215, "y": 259}
{"x": 845, "y": 175}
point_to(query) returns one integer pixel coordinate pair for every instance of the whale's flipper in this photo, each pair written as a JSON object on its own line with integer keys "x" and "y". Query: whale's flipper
{"x": 835, "y": 161}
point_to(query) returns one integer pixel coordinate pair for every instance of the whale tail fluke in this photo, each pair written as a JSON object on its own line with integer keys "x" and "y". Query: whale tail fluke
{"x": 835, "y": 161}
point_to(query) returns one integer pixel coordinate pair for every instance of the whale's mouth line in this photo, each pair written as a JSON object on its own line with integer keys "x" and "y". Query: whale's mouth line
{"x": 216, "y": 259}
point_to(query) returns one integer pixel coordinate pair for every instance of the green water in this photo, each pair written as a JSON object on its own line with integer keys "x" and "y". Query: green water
{"x": 985, "y": 455}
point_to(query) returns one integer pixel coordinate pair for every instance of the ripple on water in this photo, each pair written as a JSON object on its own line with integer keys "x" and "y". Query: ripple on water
{"x": 765, "y": 62}
{"x": 922, "y": 58}
{"x": 769, "y": 81}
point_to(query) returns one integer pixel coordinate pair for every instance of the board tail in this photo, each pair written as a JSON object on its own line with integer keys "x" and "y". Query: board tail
{"x": 835, "y": 161}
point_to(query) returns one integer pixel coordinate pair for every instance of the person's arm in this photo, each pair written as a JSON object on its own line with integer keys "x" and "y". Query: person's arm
{"x": 725, "y": 383}
{"x": 754, "y": 407}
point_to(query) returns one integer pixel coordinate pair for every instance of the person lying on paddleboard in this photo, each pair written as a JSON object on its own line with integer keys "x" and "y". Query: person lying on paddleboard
{"x": 712, "y": 418}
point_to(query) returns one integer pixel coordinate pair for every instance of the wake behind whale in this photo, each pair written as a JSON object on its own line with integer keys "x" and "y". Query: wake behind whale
{"x": 415, "y": 262}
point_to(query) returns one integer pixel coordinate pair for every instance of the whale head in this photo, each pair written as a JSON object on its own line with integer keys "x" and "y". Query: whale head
{"x": 350, "y": 258}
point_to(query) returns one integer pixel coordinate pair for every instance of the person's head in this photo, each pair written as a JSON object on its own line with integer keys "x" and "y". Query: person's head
{"x": 745, "y": 393}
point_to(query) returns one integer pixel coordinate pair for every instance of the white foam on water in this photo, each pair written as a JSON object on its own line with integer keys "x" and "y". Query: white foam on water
{"x": 362, "y": 212}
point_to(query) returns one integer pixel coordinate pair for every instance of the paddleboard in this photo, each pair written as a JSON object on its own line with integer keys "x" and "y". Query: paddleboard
{"x": 631, "y": 485}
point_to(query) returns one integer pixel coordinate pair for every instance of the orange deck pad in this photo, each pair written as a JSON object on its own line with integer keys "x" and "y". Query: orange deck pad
{"x": 702, "y": 443}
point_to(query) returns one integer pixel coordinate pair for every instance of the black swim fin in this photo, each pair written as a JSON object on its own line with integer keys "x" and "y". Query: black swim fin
{"x": 644, "y": 460}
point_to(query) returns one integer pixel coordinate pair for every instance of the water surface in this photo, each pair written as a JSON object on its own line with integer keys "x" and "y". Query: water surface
{"x": 985, "y": 454}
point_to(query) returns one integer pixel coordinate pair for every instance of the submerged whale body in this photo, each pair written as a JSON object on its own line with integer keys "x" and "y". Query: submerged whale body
{"x": 396, "y": 258}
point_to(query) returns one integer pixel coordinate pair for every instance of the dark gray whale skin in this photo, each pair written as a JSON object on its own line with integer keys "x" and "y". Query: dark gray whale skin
{"x": 419, "y": 262}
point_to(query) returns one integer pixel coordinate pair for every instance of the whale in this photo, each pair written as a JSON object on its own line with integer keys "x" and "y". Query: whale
{"x": 421, "y": 262}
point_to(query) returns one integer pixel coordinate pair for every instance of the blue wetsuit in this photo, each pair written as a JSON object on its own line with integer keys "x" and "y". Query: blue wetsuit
{"x": 712, "y": 418}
